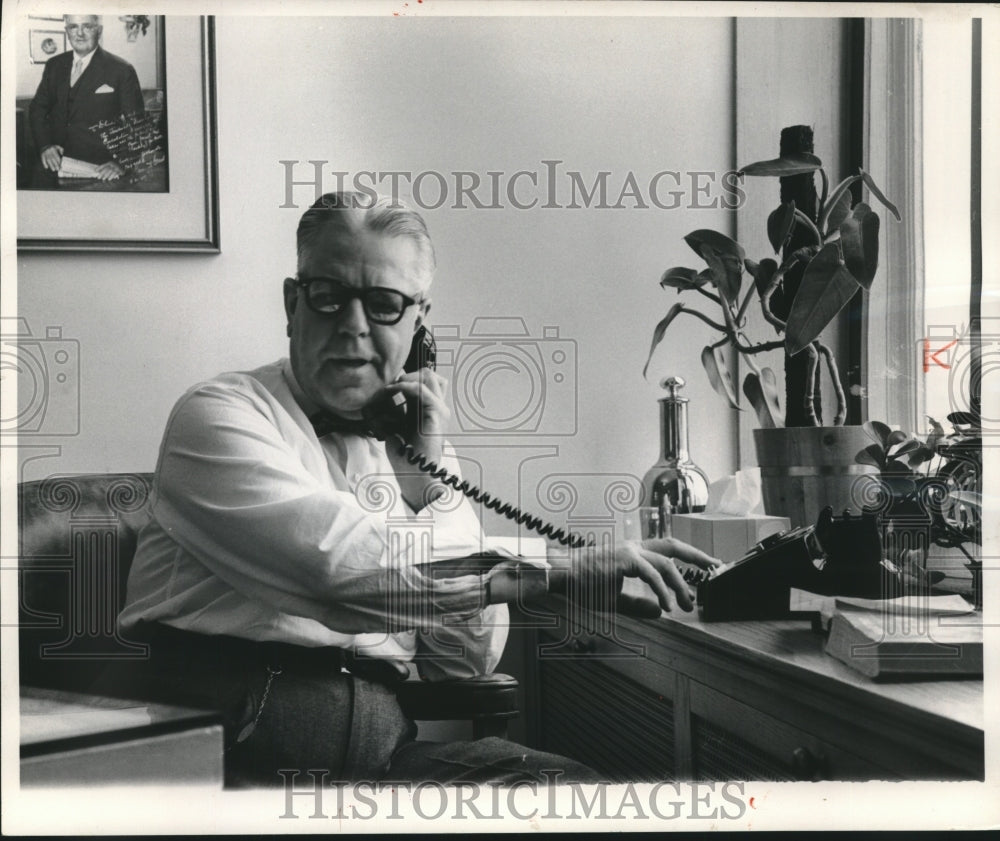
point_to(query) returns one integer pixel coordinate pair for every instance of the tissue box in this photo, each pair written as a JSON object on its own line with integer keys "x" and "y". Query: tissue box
{"x": 725, "y": 536}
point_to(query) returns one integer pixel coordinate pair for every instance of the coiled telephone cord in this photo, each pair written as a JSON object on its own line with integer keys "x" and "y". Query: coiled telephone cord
{"x": 504, "y": 509}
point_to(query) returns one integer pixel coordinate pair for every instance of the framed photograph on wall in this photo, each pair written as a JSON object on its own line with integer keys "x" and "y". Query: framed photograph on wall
{"x": 45, "y": 43}
{"x": 119, "y": 153}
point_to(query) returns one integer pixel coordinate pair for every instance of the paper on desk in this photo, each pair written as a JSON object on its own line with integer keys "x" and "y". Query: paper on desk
{"x": 952, "y": 604}
{"x": 73, "y": 168}
{"x": 911, "y": 605}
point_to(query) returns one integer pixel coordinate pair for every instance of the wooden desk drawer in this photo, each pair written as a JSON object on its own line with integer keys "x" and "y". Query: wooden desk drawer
{"x": 731, "y": 741}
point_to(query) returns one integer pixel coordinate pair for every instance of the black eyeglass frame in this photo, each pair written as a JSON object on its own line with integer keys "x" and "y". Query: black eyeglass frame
{"x": 350, "y": 293}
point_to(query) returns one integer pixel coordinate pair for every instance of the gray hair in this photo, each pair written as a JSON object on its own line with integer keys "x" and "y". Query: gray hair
{"x": 98, "y": 18}
{"x": 350, "y": 212}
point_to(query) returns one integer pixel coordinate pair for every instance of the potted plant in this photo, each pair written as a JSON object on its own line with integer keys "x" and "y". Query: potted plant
{"x": 926, "y": 491}
{"x": 828, "y": 248}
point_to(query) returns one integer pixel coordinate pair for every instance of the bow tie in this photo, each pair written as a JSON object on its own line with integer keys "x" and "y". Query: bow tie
{"x": 326, "y": 422}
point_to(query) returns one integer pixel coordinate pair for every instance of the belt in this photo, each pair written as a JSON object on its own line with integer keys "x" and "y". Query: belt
{"x": 212, "y": 649}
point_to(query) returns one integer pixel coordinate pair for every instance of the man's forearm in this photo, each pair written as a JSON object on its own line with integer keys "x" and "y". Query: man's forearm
{"x": 525, "y": 583}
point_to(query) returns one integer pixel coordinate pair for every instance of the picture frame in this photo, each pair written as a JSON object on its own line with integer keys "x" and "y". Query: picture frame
{"x": 45, "y": 43}
{"x": 184, "y": 217}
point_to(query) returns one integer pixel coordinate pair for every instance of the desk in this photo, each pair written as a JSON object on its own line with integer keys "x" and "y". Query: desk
{"x": 72, "y": 739}
{"x": 739, "y": 701}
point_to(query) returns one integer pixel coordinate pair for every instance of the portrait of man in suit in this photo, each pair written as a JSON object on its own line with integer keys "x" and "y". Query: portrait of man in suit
{"x": 81, "y": 91}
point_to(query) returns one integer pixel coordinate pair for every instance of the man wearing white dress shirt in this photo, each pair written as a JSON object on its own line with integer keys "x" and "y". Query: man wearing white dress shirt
{"x": 270, "y": 582}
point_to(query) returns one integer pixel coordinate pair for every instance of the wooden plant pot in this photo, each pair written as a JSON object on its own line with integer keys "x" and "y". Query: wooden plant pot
{"x": 804, "y": 469}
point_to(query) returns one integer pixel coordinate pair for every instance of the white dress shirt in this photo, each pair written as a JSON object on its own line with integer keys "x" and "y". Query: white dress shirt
{"x": 84, "y": 64}
{"x": 262, "y": 531}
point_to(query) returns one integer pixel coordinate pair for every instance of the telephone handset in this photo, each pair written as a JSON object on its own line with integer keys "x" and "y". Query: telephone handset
{"x": 389, "y": 418}
{"x": 388, "y": 413}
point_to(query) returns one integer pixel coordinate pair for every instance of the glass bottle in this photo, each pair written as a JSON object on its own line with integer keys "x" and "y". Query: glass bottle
{"x": 675, "y": 484}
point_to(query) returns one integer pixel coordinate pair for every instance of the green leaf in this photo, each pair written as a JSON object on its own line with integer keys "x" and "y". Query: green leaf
{"x": 908, "y": 446}
{"x": 681, "y": 279}
{"x": 719, "y": 242}
{"x": 762, "y": 273}
{"x": 895, "y": 437}
{"x": 800, "y": 255}
{"x": 658, "y": 332}
{"x": 826, "y": 287}
{"x": 762, "y": 392}
{"x": 838, "y": 213}
{"x": 920, "y": 455}
{"x": 805, "y": 220}
{"x": 836, "y": 197}
{"x": 897, "y": 467}
{"x": 714, "y": 363}
{"x": 677, "y": 273}
{"x": 704, "y": 276}
{"x": 780, "y": 225}
{"x": 936, "y": 436}
{"x": 963, "y": 419}
{"x": 877, "y": 431}
{"x": 871, "y": 185}
{"x": 872, "y": 454}
{"x": 859, "y": 240}
{"x": 784, "y": 166}
{"x": 727, "y": 272}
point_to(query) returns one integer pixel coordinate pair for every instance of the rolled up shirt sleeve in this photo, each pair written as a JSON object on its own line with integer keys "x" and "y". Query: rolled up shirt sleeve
{"x": 463, "y": 647}
{"x": 235, "y": 491}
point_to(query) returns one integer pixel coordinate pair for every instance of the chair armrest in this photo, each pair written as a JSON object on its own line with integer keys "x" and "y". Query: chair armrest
{"x": 488, "y": 700}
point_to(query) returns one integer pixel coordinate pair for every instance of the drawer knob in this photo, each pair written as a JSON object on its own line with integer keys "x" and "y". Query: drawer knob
{"x": 808, "y": 765}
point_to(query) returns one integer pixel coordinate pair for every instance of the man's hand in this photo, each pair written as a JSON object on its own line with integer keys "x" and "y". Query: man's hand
{"x": 425, "y": 395}
{"x": 52, "y": 157}
{"x": 595, "y": 574}
{"x": 109, "y": 171}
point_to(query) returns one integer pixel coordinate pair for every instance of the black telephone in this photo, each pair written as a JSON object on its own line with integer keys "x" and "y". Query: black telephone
{"x": 839, "y": 556}
{"x": 389, "y": 418}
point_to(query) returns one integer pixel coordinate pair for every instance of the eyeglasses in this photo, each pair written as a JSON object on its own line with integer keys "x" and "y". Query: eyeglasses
{"x": 327, "y": 296}
{"x": 72, "y": 28}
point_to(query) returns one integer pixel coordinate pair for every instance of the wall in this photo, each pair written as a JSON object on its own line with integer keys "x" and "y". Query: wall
{"x": 616, "y": 95}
